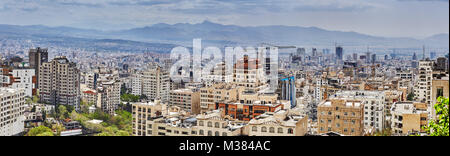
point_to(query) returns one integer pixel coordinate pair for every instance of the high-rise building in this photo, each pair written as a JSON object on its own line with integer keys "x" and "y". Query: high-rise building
{"x": 59, "y": 82}
{"x": 355, "y": 57}
{"x": 37, "y": 57}
{"x": 422, "y": 89}
{"x": 374, "y": 58}
{"x": 109, "y": 92}
{"x": 432, "y": 55}
{"x": 288, "y": 91}
{"x": 12, "y": 102}
{"x": 414, "y": 57}
{"x": 341, "y": 116}
{"x": 19, "y": 78}
{"x": 154, "y": 83}
{"x": 314, "y": 52}
{"x": 339, "y": 53}
{"x": 249, "y": 73}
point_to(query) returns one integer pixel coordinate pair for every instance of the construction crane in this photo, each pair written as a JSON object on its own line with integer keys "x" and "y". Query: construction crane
{"x": 279, "y": 47}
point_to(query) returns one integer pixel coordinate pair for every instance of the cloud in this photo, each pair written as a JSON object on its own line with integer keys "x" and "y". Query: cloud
{"x": 105, "y": 14}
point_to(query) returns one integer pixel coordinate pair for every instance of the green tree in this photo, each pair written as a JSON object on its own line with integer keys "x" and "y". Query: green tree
{"x": 439, "y": 127}
{"x": 104, "y": 134}
{"x": 122, "y": 133}
{"x": 46, "y": 134}
{"x": 40, "y": 131}
{"x": 410, "y": 97}
{"x": 58, "y": 128}
{"x": 62, "y": 112}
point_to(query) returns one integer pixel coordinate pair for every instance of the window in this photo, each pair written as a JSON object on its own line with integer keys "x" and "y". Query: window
{"x": 254, "y": 129}
{"x": 217, "y": 133}
{"x": 209, "y": 133}
{"x": 272, "y": 130}
{"x": 280, "y": 130}
{"x": 290, "y": 131}
{"x": 200, "y": 132}
{"x": 200, "y": 123}
{"x": 263, "y": 129}
{"x": 440, "y": 92}
{"x": 209, "y": 124}
{"x": 224, "y": 134}
{"x": 217, "y": 125}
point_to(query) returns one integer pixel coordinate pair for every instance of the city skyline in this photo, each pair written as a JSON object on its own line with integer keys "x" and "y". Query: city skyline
{"x": 387, "y": 18}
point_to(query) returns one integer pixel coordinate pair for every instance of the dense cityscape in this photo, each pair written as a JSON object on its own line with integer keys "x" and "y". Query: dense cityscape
{"x": 318, "y": 93}
{"x": 258, "y": 68}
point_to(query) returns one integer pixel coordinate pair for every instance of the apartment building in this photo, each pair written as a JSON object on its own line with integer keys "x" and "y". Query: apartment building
{"x": 405, "y": 74}
{"x": 374, "y": 107}
{"x": 218, "y": 92}
{"x": 16, "y": 78}
{"x": 440, "y": 87}
{"x": 90, "y": 96}
{"x": 408, "y": 117}
{"x": 341, "y": 116}
{"x": 249, "y": 73}
{"x": 37, "y": 57}
{"x": 186, "y": 99}
{"x": 205, "y": 124}
{"x": 422, "y": 89}
{"x": 215, "y": 123}
{"x": 109, "y": 95}
{"x": 12, "y": 109}
{"x": 142, "y": 113}
{"x": 278, "y": 123}
{"x": 59, "y": 82}
{"x": 248, "y": 111}
{"x": 154, "y": 83}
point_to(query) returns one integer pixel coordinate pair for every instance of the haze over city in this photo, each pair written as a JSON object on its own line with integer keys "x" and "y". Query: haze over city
{"x": 386, "y": 18}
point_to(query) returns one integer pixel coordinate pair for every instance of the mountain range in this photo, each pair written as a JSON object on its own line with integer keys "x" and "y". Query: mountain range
{"x": 227, "y": 35}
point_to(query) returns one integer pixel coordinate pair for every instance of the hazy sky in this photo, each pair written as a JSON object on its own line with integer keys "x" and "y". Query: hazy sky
{"x": 390, "y": 18}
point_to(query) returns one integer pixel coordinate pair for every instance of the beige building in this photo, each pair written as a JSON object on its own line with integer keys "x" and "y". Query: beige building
{"x": 279, "y": 123}
{"x": 206, "y": 124}
{"x": 341, "y": 116}
{"x": 187, "y": 99}
{"x": 408, "y": 117}
{"x": 249, "y": 73}
{"x": 59, "y": 82}
{"x": 12, "y": 109}
{"x": 109, "y": 95}
{"x": 217, "y": 92}
{"x": 214, "y": 123}
{"x": 422, "y": 89}
{"x": 154, "y": 83}
{"x": 440, "y": 87}
{"x": 142, "y": 113}
{"x": 89, "y": 96}
{"x": 374, "y": 107}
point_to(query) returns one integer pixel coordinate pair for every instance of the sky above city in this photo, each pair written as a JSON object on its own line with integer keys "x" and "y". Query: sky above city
{"x": 388, "y": 18}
